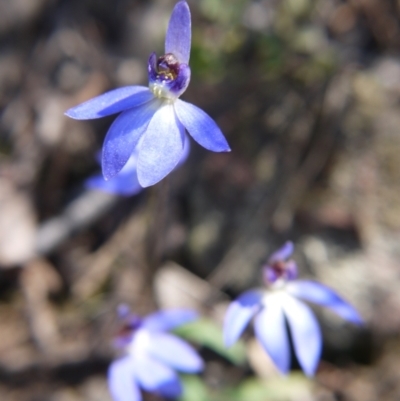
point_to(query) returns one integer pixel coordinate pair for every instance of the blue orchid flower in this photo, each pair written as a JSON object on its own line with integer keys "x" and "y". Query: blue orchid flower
{"x": 153, "y": 120}
{"x": 126, "y": 182}
{"x": 151, "y": 356}
{"x": 279, "y": 303}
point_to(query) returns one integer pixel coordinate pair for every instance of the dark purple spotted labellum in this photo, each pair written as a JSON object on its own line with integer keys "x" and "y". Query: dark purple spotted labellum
{"x": 167, "y": 66}
{"x": 280, "y": 268}
{"x": 168, "y": 78}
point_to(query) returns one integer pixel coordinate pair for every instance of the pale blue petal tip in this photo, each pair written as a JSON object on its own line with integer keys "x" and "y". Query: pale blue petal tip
{"x": 322, "y": 295}
{"x": 201, "y": 127}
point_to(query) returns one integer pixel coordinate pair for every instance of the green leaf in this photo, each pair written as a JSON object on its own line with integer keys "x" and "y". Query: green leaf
{"x": 194, "y": 389}
{"x": 294, "y": 386}
{"x": 208, "y": 334}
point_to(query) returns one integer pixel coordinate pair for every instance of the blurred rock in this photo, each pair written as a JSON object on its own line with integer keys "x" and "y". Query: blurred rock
{"x": 95, "y": 389}
{"x": 51, "y": 121}
{"x": 14, "y": 13}
{"x": 176, "y": 287}
{"x": 18, "y": 226}
{"x": 131, "y": 72}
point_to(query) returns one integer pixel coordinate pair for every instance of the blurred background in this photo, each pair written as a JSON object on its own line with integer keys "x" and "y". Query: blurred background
{"x": 307, "y": 93}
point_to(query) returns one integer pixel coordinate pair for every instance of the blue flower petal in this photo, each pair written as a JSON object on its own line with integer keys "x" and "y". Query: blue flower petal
{"x": 324, "y": 296}
{"x": 124, "y": 183}
{"x": 283, "y": 253}
{"x": 161, "y": 147}
{"x": 123, "y": 136}
{"x": 270, "y": 330}
{"x": 153, "y": 376}
{"x": 305, "y": 332}
{"x": 121, "y": 380}
{"x": 186, "y": 151}
{"x": 111, "y": 102}
{"x": 201, "y": 127}
{"x": 239, "y": 313}
{"x": 179, "y": 33}
{"x": 168, "y": 319}
{"x": 174, "y": 352}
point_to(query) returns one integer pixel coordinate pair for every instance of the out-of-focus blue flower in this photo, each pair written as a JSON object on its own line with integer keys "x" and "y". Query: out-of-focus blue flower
{"x": 151, "y": 356}
{"x": 279, "y": 303}
{"x": 153, "y": 120}
{"x": 126, "y": 182}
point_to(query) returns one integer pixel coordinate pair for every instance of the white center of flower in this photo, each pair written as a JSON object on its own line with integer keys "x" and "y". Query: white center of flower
{"x": 140, "y": 343}
{"x": 274, "y": 296}
{"x": 161, "y": 91}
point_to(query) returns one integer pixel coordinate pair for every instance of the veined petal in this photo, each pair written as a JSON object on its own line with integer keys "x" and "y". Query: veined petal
{"x": 270, "y": 330}
{"x": 239, "y": 313}
{"x": 166, "y": 320}
{"x": 305, "y": 332}
{"x": 174, "y": 352}
{"x": 324, "y": 296}
{"x": 123, "y": 136}
{"x": 161, "y": 147}
{"x": 283, "y": 253}
{"x": 111, "y": 102}
{"x": 179, "y": 33}
{"x": 121, "y": 380}
{"x": 153, "y": 376}
{"x": 201, "y": 127}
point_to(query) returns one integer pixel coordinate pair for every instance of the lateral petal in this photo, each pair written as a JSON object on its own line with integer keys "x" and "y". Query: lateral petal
{"x": 174, "y": 352}
{"x": 201, "y": 127}
{"x": 166, "y": 320}
{"x": 305, "y": 331}
{"x": 121, "y": 380}
{"x": 123, "y": 136}
{"x": 324, "y": 296}
{"x": 179, "y": 33}
{"x": 270, "y": 330}
{"x": 111, "y": 102}
{"x": 161, "y": 147}
{"x": 239, "y": 313}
